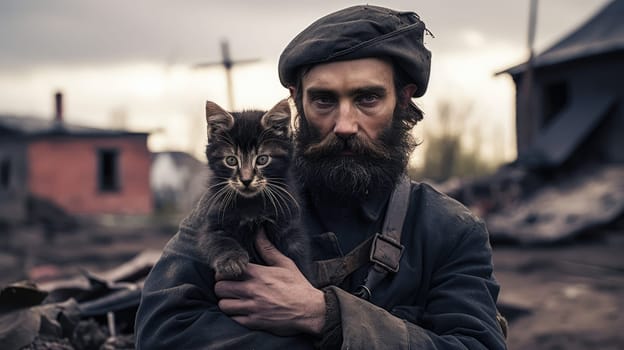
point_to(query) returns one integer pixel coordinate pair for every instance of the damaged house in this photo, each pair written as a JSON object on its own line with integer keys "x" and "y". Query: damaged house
{"x": 574, "y": 114}
{"x": 177, "y": 180}
{"x": 569, "y": 175}
{"x": 80, "y": 170}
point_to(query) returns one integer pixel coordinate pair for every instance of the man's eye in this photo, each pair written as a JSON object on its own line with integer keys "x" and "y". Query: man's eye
{"x": 368, "y": 100}
{"x": 262, "y": 160}
{"x": 231, "y": 161}
{"x": 323, "y": 101}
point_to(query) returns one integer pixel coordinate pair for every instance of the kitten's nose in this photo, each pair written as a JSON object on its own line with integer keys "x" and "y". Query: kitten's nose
{"x": 246, "y": 182}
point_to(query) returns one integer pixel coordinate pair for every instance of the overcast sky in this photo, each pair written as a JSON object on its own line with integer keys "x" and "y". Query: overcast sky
{"x": 128, "y": 63}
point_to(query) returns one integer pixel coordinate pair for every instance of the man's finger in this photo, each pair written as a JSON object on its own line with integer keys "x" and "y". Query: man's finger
{"x": 243, "y": 320}
{"x": 236, "y": 307}
{"x": 268, "y": 252}
{"x": 231, "y": 289}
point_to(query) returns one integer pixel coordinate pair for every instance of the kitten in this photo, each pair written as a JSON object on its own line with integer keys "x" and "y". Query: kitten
{"x": 249, "y": 154}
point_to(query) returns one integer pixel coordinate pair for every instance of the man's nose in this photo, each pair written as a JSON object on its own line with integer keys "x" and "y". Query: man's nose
{"x": 346, "y": 124}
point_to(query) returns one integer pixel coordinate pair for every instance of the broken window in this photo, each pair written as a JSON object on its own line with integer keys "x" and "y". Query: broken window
{"x": 108, "y": 170}
{"x": 555, "y": 100}
{"x": 5, "y": 174}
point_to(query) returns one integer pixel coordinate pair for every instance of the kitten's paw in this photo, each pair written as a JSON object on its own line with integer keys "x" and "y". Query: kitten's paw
{"x": 231, "y": 266}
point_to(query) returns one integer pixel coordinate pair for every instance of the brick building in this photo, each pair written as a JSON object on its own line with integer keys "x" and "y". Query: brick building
{"x": 85, "y": 171}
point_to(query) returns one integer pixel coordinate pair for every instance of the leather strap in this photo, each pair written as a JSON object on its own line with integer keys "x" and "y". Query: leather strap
{"x": 334, "y": 271}
{"x": 386, "y": 248}
{"x": 383, "y": 250}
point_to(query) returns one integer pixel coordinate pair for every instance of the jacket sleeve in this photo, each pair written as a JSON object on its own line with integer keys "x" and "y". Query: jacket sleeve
{"x": 460, "y": 311}
{"x": 179, "y": 310}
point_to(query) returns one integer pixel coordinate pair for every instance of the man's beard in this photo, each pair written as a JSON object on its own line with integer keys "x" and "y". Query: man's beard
{"x": 369, "y": 165}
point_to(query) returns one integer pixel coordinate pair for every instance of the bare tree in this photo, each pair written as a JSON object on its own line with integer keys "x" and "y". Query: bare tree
{"x": 446, "y": 155}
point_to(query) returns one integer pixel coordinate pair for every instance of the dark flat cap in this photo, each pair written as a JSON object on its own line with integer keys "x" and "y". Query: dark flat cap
{"x": 361, "y": 32}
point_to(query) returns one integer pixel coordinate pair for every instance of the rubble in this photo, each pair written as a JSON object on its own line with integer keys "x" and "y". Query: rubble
{"x": 532, "y": 206}
{"x": 88, "y": 312}
{"x": 560, "y": 211}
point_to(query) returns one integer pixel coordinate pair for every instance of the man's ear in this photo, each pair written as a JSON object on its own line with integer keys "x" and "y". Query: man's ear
{"x": 278, "y": 118}
{"x": 217, "y": 118}
{"x": 406, "y": 94}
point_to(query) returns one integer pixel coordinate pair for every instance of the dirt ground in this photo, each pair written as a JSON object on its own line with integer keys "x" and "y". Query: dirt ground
{"x": 566, "y": 296}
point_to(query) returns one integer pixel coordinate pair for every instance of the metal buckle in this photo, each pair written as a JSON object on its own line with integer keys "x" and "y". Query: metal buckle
{"x": 386, "y": 252}
{"x": 362, "y": 292}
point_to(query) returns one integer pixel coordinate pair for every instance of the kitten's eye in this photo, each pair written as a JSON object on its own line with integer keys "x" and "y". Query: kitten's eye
{"x": 231, "y": 161}
{"x": 262, "y": 160}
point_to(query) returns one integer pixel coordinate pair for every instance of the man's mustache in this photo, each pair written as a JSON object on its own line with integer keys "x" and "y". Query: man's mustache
{"x": 333, "y": 145}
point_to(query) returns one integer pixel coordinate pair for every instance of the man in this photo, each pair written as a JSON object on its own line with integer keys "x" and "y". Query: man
{"x": 352, "y": 75}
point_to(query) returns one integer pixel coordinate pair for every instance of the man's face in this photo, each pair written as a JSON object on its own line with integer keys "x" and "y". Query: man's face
{"x": 350, "y": 139}
{"x": 349, "y": 98}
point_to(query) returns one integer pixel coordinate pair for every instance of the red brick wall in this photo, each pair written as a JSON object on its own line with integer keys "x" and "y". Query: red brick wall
{"x": 65, "y": 170}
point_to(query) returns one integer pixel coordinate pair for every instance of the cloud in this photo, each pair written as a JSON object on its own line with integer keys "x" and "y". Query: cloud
{"x": 65, "y": 32}
{"x": 136, "y": 55}
{"x": 472, "y": 38}
{"x": 75, "y": 32}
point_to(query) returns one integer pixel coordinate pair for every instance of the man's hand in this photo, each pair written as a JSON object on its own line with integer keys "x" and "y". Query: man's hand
{"x": 275, "y": 298}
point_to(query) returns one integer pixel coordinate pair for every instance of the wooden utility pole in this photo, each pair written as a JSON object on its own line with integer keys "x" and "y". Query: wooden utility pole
{"x": 530, "y": 127}
{"x": 227, "y": 63}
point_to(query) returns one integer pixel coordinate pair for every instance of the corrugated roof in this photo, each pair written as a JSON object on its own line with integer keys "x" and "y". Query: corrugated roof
{"x": 31, "y": 126}
{"x": 601, "y": 34}
{"x": 563, "y": 136}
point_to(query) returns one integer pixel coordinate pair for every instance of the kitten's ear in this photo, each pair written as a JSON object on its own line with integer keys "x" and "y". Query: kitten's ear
{"x": 217, "y": 118}
{"x": 278, "y": 118}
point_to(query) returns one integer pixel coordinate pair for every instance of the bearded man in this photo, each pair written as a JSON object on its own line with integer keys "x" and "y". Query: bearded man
{"x": 352, "y": 75}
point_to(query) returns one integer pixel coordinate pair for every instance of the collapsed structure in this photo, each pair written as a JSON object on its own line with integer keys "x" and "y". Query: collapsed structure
{"x": 569, "y": 174}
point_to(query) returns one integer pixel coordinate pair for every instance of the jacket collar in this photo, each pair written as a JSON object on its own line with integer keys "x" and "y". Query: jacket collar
{"x": 374, "y": 204}
{"x": 371, "y": 207}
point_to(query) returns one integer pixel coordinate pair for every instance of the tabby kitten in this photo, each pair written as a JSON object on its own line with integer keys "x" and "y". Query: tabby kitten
{"x": 249, "y": 154}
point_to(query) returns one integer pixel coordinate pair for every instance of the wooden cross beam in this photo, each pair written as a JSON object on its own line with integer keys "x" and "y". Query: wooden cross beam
{"x": 227, "y": 63}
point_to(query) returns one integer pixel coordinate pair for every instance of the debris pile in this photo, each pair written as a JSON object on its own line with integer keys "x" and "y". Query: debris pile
{"x": 88, "y": 312}
{"x": 531, "y": 207}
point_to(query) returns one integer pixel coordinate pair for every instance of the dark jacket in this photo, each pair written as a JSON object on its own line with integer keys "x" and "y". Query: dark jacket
{"x": 443, "y": 297}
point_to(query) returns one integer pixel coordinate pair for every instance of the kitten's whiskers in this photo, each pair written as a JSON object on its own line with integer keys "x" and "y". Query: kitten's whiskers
{"x": 281, "y": 199}
{"x": 282, "y": 187}
{"x": 271, "y": 198}
{"x": 222, "y": 198}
